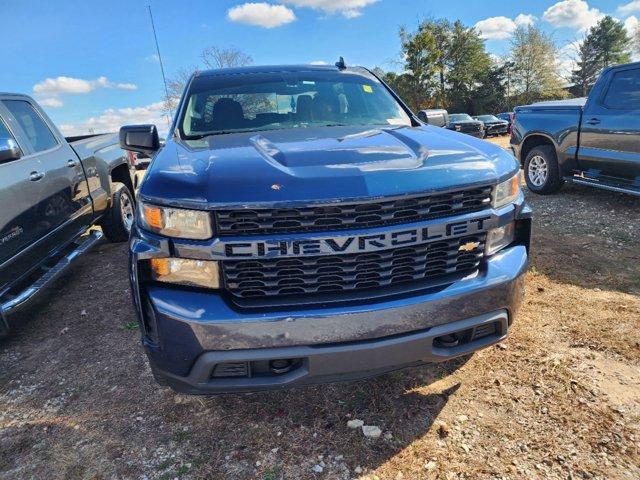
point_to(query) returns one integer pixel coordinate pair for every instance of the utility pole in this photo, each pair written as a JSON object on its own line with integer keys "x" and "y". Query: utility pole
{"x": 164, "y": 78}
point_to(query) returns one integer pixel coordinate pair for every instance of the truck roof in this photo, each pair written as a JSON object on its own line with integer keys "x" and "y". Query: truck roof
{"x": 275, "y": 68}
{"x": 10, "y": 94}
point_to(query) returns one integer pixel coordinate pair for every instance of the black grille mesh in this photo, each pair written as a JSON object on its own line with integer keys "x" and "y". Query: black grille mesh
{"x": 341, "y": 216}
{"x": 342, "y": 273}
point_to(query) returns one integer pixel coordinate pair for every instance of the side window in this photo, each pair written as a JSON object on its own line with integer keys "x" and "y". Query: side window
{"x": 624, "y": 90}
{"x": 4, "y": 131}
{"x": 38, "y": 133}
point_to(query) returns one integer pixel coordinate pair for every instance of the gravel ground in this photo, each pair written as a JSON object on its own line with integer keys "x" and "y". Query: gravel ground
{"x": 559, "y": 399}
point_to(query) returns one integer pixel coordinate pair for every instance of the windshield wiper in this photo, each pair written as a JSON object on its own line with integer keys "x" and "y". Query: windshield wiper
{"x": 200, "y": 136}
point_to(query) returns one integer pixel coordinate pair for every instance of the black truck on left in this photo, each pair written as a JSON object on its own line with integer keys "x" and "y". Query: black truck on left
{"x": 52, "y": 191}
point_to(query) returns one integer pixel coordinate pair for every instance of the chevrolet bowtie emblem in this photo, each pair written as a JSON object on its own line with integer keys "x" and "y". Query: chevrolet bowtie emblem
{"x": 469, "y": 246}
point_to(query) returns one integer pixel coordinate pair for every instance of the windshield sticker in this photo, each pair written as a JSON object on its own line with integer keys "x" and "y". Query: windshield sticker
{"x": 367, "y": 88}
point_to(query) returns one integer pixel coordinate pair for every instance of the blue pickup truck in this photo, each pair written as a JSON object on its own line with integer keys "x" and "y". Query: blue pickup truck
{"x": 591, "y": 141}
{"x": 301, "y": 225}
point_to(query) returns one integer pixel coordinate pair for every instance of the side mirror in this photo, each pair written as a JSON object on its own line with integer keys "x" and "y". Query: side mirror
{"x": 140, "y": 138}
{"x": 9, "y": 150}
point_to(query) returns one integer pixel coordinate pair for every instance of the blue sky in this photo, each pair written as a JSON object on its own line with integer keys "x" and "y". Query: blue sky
{"x": 93, "y": 66}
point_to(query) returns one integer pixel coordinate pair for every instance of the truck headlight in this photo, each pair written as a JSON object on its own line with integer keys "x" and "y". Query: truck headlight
{"x": 182, "y": 271}
{"x": 498, "y": 238}
{"x": 506, "y": 192}
{"x": 176, "y": 222}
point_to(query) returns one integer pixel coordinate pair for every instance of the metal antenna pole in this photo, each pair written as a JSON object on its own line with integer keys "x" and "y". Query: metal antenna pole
{"x": 164, "y": 78}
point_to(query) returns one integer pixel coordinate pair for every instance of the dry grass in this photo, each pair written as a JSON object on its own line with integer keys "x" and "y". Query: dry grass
{"x": 560, "y": 399}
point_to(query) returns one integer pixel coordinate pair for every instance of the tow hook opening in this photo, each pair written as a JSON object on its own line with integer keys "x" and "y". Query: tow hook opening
{"x": 280, "y": 366}
{"x": 452, "y": 340}
{"x": 260, "y": 368}
{"x": 447, "y": 341}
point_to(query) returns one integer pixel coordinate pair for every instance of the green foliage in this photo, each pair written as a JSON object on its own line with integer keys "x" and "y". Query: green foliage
{"x": 587, "y": 71}
{"x": 468, "y": 64}
{"x": 607, "y": 43}
{"x": 491, "y": 94}
{"x": 272, "y": 474}
{"x": 534, "y": 75}
{"x": 421, "y": 54}
{"x": 444, "y": 65}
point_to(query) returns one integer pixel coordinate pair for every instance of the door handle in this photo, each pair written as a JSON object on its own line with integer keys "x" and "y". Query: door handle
{"x": 35, "y": 176}
{"x": 593, "y": 121}
{"x": 72, "y": 163}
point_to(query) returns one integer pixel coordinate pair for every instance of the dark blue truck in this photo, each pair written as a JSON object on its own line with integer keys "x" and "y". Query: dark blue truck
{"x": 593, "y": 141}
{"x": 53, "y": 190}
{"x": 300, "y": 226}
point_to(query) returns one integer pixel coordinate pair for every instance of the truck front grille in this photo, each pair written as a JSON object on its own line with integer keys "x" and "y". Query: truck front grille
{"x": 341, "y": 216}
{"x": 342, "y": 273}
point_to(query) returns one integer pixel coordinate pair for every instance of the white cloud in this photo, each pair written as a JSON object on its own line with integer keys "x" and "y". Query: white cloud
{"x": 60, "y": 85}
{"x": 567, "y": 56}
{"x": 573, "y": 14}
{"x": 261, "y": 15}
{"x": 627, "y": 8}
{"x": 51, "y": 102}
{"x": 153, "y": 58}
{"x": 501, "y": 28}
{"x": 348, "y": 8}
{"x": 496, "y": 28}
{"x": 632, "y": 24}
{"x": 525, "y": 20}
{"x": 318, "y": 62}
{"x": 112, "y": 119}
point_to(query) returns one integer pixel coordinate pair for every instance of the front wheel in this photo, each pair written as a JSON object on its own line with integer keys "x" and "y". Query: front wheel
{"x": 541, "y": 170}
{"x": 119, "y": 219}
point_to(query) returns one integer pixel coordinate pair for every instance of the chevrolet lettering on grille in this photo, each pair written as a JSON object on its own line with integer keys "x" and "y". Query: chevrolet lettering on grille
{"x": 353, "y": 243}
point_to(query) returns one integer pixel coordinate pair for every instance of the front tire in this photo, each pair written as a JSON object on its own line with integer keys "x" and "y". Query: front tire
{"x": 119, "y": 219}
{"x": 541, "y": 170}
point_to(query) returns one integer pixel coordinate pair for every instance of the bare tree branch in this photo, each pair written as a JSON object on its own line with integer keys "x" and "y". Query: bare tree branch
{"x": 212, "y": 58}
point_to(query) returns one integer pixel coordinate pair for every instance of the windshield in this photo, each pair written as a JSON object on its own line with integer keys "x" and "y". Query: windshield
{"x": 460, "y": 117}
{"x": 487, "y": 118}
{"x": 218, "y": 104}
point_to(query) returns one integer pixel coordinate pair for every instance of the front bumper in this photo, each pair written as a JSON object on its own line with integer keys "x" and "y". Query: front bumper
{"x": 497, "y": 130}
{"x": 197, "y": 330}
{"x": 337, "y": 362}
{"x": 188, "y": 332}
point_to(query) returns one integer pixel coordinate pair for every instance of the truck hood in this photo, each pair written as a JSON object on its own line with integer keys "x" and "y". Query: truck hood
{"x": 320, "y": 164}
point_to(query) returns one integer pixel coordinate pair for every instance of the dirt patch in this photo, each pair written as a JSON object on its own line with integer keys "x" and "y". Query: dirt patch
{"x": 558, "y": 400}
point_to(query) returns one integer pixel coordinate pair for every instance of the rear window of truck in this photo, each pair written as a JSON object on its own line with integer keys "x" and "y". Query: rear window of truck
{"x": 624, "y": 90}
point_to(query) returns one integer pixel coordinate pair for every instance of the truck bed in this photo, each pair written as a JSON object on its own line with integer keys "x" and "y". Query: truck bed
{"x": 87, "y": 145}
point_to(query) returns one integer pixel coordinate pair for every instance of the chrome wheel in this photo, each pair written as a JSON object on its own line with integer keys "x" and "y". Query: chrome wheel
{"x": 127, "y": 210}
{"x": 538, "y": 170}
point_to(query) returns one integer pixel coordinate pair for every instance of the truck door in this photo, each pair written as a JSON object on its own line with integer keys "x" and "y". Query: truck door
{"x": 610, "y": 129}
{"x": 67, "y": 208}
{"x": 21, "y": 197}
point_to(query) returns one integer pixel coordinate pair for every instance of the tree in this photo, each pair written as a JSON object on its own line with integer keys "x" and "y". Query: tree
{"x": 606, "y": 43}
{"x": 468, "y": 65}
{"x": 587, "y": 71}
{"x": 440, "y": 30}
{"x": 420, "y": 59}
{"x": 211, "y": 58}
{"x": 611, "y": 42}
{"x": 491, "y": 94}
{"x": 534, "y": 75}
